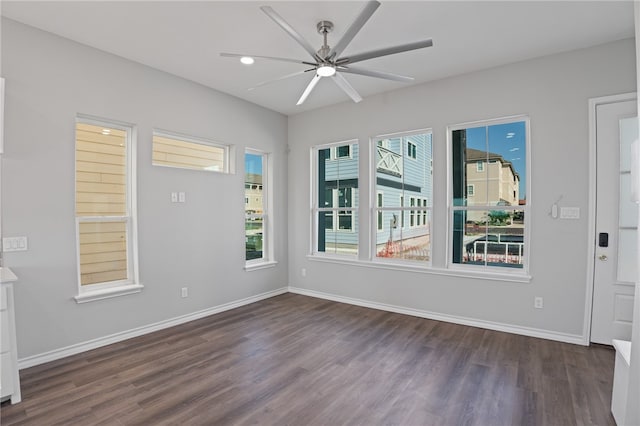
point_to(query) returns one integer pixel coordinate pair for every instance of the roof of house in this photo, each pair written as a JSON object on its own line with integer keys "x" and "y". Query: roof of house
{"x": 473, "y": 155}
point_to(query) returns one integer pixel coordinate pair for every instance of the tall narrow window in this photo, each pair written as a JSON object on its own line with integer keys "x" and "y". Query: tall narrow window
{"x": 404, "y": 175}
{"x": 335, "y": 199}
{"x": 105, "y": 205}
{"x": 257, "y": 224}
{"x": 489, "y": 200}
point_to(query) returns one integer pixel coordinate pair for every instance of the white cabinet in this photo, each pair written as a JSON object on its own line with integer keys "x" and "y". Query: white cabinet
{"x": 10, "y": 379}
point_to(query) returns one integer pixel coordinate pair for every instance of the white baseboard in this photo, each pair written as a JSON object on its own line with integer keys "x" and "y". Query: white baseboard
{"x": 139, "y": 331}
{"x": 489, "y": 325}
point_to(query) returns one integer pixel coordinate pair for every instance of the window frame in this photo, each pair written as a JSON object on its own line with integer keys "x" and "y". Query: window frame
{"x": 227, "y": 167}
{"x": 408, "y": 202}
{"x": 131, "y": 285}
{"x": 315, "y": 209}
{"x": 526, "y": 208}
{"x": 412, "y": 151}
{"x": 471, "y": 190}
{"x": 268, "y": 245}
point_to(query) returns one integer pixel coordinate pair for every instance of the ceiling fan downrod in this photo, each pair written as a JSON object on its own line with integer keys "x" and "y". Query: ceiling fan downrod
{"x": 324, "y": 28}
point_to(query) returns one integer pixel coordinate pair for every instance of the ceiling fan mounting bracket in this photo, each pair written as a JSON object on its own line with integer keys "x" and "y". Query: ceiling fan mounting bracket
{"x": 324, "y": 27}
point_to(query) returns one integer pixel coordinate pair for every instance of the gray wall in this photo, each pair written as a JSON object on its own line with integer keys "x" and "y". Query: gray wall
{"x": 554, "y": 92}
{"x": 199, "y": 244}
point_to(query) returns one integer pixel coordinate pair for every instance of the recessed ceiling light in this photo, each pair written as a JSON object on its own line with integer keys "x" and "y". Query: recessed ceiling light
{"x": 247, "y": 60}
{"x": 326, "y": 71}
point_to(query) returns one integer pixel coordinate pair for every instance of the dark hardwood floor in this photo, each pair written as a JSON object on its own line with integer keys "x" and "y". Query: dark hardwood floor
{"x": 298, "y": 360}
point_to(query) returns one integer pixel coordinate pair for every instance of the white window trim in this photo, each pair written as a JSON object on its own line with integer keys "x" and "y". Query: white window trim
{"x": 229, "y": 151}
{"x": 473, "y": 270}
{"x": 268, "y": 244}
{"x": 333, "y": 153}
{"x": 99, "y": 291}
{"x": 479, "y": 165}
{"x": 314, "y": 209}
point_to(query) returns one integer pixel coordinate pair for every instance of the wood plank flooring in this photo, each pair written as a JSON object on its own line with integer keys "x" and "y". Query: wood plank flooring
{"x": 296, "y": 360}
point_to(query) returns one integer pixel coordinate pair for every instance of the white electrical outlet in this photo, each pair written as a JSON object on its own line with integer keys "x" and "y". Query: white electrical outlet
{"x": 304, "y": 272}
{"x": 174, "y": 197}
{"x": 185, "y": 292}
{"x": 538, "y": 302}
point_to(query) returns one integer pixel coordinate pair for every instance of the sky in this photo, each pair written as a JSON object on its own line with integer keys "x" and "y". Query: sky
{"x": 253, "y": 164}
{"x": 507, "y": 140}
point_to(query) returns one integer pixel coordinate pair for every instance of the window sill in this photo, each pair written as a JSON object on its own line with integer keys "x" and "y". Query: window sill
{"x": 260, "y": 265}
{"x": 107, "y": 293}
{"x": 408, "y": 267}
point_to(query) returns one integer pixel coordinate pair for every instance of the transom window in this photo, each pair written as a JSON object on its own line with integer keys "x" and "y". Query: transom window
{"x": 188, "y": 152}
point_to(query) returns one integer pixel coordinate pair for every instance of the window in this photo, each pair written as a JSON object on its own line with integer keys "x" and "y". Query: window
{"x": 335, "y": 199}
{"x": 257, "y": 221}
{"x": 412, "y": 150}
{"x": 187, "y": 152}
{"x": 402, "y": 180}
{"x": 343, "y": 151}
{"x": 470, "y": 190}
{"x": 105, "y": 206}
{"x": 489, "y": 203}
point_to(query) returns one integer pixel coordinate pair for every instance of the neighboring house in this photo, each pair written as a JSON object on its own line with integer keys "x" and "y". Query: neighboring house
{"x": 253, "y": 193}
{"x": 403, "y": 178}
{"x": 491, "y": 180}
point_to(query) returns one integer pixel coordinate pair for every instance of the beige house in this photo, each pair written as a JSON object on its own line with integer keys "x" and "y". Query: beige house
{"x": 253, "y": 194}
{"x": 491, "y": 180}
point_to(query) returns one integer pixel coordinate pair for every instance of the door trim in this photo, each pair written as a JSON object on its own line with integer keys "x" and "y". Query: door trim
{"x": 591, "y": 225}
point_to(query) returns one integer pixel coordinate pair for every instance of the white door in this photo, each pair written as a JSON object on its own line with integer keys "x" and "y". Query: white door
{"x": 616, "y": 269}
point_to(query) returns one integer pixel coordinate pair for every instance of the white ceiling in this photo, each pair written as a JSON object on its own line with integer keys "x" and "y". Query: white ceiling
{"x": 185, "y": 38}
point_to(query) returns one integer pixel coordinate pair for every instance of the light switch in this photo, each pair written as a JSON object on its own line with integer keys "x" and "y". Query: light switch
{"x": 181, "y": 197}
{"x": 174, "y": 197}
{"x": 15, "y": 244}
{"x": 570, "y": 213}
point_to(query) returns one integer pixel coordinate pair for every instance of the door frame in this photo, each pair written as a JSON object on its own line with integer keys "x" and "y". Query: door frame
{"x": 591, "y": 225}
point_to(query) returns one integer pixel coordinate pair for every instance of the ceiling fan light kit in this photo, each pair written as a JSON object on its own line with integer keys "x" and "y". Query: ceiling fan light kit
{"x": 327, "y": 61}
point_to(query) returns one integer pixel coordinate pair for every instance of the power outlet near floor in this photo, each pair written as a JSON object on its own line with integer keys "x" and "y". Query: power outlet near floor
{"x": 538, "y": 302}
{"x": 184, "y": 292}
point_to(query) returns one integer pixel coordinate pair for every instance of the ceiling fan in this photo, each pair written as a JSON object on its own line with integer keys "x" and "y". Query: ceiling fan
{"x": 327, "y": 62}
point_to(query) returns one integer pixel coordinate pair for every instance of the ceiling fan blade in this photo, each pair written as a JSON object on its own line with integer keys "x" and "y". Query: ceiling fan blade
{"x": 278, "y": 79}
{"x": 309, "y": 88}
{"x": 289, "y": 30}
{"x": 346, "y": 87}
{"x": 273, "y": 58}
{"x": 384, "y": 52}
{"x": 359, "y": 22}
{"x": 377, "y": 74}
